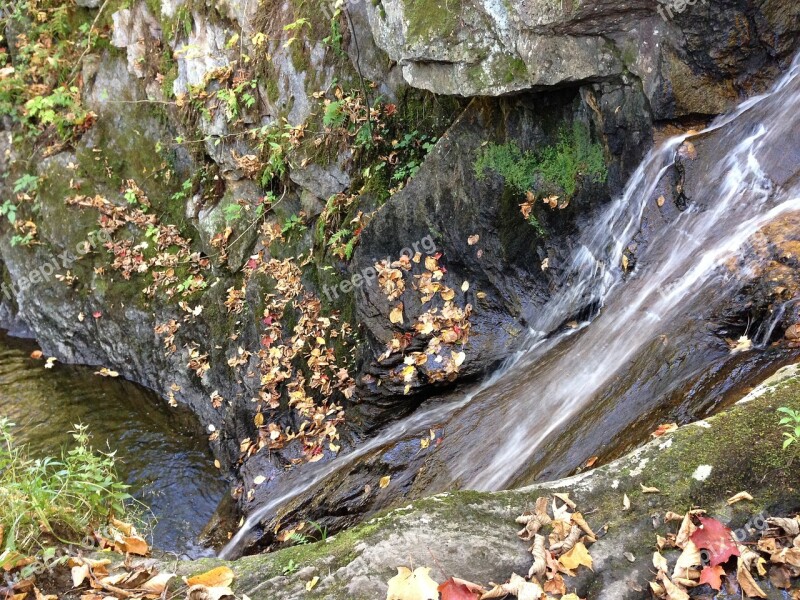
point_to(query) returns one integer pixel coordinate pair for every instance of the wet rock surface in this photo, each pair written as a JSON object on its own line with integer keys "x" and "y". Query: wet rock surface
{"x": 473, "y": 535}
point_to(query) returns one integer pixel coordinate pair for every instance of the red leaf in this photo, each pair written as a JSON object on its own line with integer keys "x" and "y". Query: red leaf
{"x": 712, "y": 576}
{"x": 453, "y": 590}
{"x": 717, "y": 539}
{"x": 97, "y": 314}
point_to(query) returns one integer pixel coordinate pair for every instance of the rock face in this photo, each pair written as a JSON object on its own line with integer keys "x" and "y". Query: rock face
{"x": 473, "y": 535}
{"x": 690, "y": 60}
{"x": 166, "y": 120}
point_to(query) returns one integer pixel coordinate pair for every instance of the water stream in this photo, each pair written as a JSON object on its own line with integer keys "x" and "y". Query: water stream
{"x": 161, "y": 452}
{"x": 495, "y": 431}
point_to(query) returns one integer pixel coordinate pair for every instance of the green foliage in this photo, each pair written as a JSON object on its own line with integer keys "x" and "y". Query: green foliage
{"x": 9, "y": 210}
{"x": 411, "y": 151}
{"x": 49, "y": 500}
{"x": 292, "y": 225}
{"x": 791, "y": 422}
{"x": 232, "y": 212}
{"x": 334, "y": 115}
{"x": 553, "y": 170}
{"x": 26, "y": 183}
{"x": 335, "y": 39}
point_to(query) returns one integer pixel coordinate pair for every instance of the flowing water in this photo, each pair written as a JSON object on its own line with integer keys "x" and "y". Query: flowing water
{"x": 161, "y": 452}
{"x": 496, "y": 432}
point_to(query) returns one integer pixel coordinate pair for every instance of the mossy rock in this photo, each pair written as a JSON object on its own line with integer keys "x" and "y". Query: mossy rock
{"x": 473, "y": 535}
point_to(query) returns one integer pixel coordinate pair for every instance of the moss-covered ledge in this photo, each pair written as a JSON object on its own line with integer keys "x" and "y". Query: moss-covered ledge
{"x": 472, "y": 534}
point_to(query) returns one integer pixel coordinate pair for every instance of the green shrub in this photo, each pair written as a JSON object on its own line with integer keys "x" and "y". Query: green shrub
{"x": 47, "y": 501}
{"x": 553, "y": 170}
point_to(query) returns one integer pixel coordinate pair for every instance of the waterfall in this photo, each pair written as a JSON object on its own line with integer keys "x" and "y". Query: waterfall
{"x": 509, "y": 416}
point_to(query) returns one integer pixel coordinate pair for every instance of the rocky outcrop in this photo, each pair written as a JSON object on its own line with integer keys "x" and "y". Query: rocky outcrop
{"x": 473, "y": 535}
{"x": 691, "y": 57}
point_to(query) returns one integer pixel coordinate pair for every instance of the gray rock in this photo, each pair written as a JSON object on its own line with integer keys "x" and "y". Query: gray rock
{"x": 135, "y": 29}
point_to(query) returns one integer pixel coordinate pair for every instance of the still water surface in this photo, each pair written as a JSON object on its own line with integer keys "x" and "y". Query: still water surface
{"x": 161, "y": 452}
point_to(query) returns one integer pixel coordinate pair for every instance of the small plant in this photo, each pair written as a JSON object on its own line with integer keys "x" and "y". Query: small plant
{"x": 554, "y": 171}
{"x": 290, "y": 567}
{"x": 232, "y": 212}
{"x": 292, "y": 225}
{"x": 299, "y": 539}
{"x": 791, "y": 422}
{"x": 9, "y": 210}
{"x": 47, "y": 501}
{"x": 26, "y": 183}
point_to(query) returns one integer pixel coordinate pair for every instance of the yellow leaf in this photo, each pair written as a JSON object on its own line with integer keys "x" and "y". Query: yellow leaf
{"x": 384, "y": 482}
{"x": 465, "y": 286}
{"x": 459, "y": 358}
{"x": 259, "y": 480}
{"x": 626, "y": 502}
{"x": 448, "y": 294}
{"x": 649, "y": 490}
{"x": 412, "y": 586}
{"x": 661, "y": 200}
{"x": 473, "y": 239}
{"x": 396, "y": 316}
{"x": 219, "y": 577}
{"x": 576, "y": 557}
{"x": 259, "y": 419}
{"x": 158, "y": 584}
{"x": 625, "y": 263}
{"x": 310, "y": 585}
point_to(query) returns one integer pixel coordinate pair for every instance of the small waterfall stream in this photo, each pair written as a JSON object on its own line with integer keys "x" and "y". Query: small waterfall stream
{"x": 494, "y": 432}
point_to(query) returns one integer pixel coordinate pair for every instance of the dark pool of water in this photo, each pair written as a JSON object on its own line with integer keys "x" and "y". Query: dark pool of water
{"x": 161, "y": 452}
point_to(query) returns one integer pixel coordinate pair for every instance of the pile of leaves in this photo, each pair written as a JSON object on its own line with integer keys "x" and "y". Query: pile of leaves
{"x": 442, "y": 331}
{"x": 559, "y": 536}
{"x": 711, "y": 555}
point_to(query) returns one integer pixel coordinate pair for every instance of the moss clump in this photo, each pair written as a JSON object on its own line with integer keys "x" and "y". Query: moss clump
{"x": 432, "y": 19}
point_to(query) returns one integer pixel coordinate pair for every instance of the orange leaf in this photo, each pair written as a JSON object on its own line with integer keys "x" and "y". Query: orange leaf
{"x": 712, "y": 576}
{"x": 219, "y": 577}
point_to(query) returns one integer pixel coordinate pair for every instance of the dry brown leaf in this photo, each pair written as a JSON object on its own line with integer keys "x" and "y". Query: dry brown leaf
{"x": 566, "y": 500}
{"x": 659, "y": 562}
{"x": 685, "y": 532}
{"x": 649, "y": 490}
{"x": 626, "y": 502}
{"x": 158, "y": 584}
{"x": 739, "y": 497}
{"x": 204, "y": 592}
{"x": 687, "y": 561}
{"x": 749, "y": 587}
{"x": 80, "y": 573}
{"x": 539, "y": 566}
{"x": 516, "y": 586}
{"x": 673, "y": 590}
{"x": 661, "y": 200}
{"x": 396, "y": 316}
{"x": 578, "y": 519}
{"x": 473, "y": 239}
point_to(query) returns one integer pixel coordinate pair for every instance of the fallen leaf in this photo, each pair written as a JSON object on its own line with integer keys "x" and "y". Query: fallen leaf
{"x": 716, "y": 538}
{"x": 36, "y": 354}
{"x": 454, "y": 590}
{"x": 659, "y": 562}
{"x": 412, "y": 586}
{"x": 158, "y": 584}
{"x": 396, "y": 316}
{"x": 712, "y": 576}
{"x": 219, "y": 577}
{"x": 739, "y": 497}
{"x": 204, "y": 592}
{"x": 80, "y": 573}
{"x": 688, "y": 560}
{"x": 259, "y": 480}
{"x": 746, "y": 582}
{"x": 311, "y": 583}
{"x": 664, "y": 429}
{"x": 626, "y": 502}
{"x": 661, "y": 200}
{"x": 649, "y": 490}
{"x": 465, "y": 286}
{"x": 576, "y": 557}
{"x": 674, "y": 591}
{"x": 384, "y": 482}
{"x": 473, "y": 239}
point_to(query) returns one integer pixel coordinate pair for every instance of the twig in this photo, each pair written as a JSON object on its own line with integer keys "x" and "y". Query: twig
{"x": 88, "y": 44}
